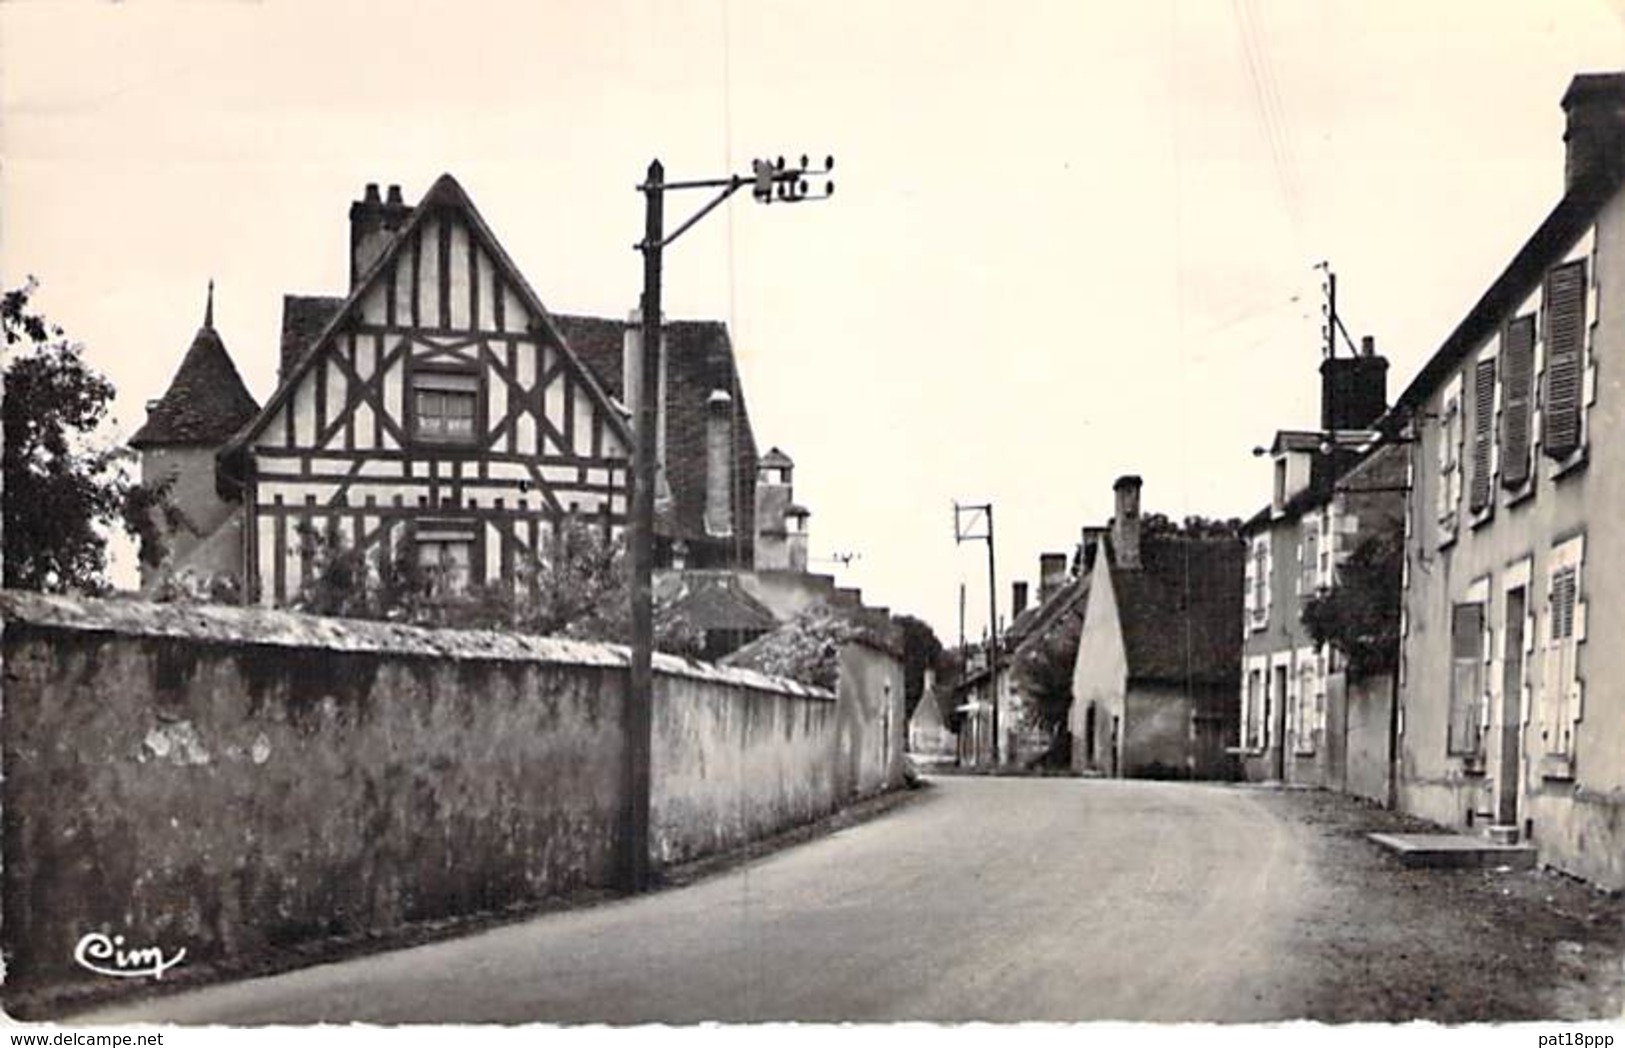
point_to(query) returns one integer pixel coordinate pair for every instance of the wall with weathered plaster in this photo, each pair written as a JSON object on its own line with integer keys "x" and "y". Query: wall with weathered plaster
{"x": 231, "y": 781}
{"x": 1369, "y": 704}
{"x": 871, "y": 727}
{"x": 732, "y": 764}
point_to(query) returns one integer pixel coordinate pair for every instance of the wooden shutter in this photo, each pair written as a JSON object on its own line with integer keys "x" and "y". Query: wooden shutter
{"x": 1559, "y": 673}
{"x": 1517, "y": 387}
{"x": 1466, "y": 682}
{"x": 1483, "y": 433}
{"x": 1565, "y": 340}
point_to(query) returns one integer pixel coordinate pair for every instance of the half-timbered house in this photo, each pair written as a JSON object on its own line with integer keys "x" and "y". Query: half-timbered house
{"x": 439, "y": 411}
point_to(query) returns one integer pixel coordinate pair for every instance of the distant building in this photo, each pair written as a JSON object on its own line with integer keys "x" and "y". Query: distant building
{"x": 1057, "y": 615}
{"x": 1512, "y": 677}
{"x": 1295, "y": 724}
{"x": 1153, "y": 691}
{"x": 928, "y": 733}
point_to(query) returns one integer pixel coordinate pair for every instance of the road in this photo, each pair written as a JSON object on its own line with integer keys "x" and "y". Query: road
{"x": 995, "y": 899}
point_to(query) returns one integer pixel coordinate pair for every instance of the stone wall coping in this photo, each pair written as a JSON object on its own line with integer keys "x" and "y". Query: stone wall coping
{"x": 265, "y": 627}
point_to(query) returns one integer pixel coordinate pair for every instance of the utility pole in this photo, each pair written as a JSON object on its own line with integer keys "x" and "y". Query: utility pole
{"x": 968, "y": 527}
{"x": 770, "y": 181}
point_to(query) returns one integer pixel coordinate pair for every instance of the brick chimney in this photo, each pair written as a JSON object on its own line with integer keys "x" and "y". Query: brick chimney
{"x": 1353, "y": 390}
{"x": 1018, "y": 599}
{"x": 1051, "y": 574}
{"x": 1595, "y": 135}
{"x": 719, "y": 464}
{"x": 1126, "y": 523}
{"x": 373, "y": 225}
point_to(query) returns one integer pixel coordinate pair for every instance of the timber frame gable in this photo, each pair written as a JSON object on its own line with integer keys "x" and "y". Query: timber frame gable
{"x": 440, "y": 406}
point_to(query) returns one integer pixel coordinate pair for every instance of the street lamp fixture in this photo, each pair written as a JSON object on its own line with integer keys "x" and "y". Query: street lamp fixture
{"x": 770, "y": 181}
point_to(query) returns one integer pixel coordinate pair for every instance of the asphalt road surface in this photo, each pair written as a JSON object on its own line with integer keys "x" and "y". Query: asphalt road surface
{"x": 995, "y": 899}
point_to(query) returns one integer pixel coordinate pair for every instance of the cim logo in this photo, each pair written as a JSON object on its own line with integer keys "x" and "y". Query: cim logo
{"x": 107, "y": 956}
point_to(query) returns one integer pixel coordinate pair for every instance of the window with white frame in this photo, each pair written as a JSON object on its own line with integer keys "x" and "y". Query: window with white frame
{"x": 1253, "y": 720}
{"x": 1560, "y": 686}
{"x": 1306, "y": 711}
{"x": 445, "y": 557}
{"x": 1448, "y": 500}
{"x": 445, "y": 406}
{"x": 1258, "y": 569}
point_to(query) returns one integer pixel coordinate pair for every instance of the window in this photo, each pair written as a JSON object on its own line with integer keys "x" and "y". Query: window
{"x": 1466, "y": 680}
{"x": 1258, "y": 567}
{"x": 1481, "y": 498}
{"x": 445, "y": 406}
{"x": 1309, "y": 559}
{"x": 1255, "y": 711}
{"x": 1517, "y": 392}
{"x": 1560, "y": 688}
{"x": 1307, "y": 713}
{"x": 1562, "y": 424}
{"x": 445, "y": 558}
{"x": 1450, "y": 437}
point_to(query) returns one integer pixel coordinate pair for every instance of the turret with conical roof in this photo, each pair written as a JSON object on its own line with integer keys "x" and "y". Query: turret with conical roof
{"x": 205, "y": 404}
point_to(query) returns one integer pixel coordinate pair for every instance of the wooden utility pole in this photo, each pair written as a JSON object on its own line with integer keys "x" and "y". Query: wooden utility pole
{"x": 771, "y": 181}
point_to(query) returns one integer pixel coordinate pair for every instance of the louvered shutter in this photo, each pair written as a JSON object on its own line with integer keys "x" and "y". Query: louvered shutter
{"x": 1557, "y": 717}
{"x": 1483, "y": 432}
{"x": 1565, "y": 339}
{"x": 1517, "y": 387}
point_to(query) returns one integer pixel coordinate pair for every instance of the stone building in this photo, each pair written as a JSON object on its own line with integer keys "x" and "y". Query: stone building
{"x": 1153, "y": 689}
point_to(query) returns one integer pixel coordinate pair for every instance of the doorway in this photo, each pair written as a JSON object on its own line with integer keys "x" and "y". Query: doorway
{"x": 1507, "y": 771}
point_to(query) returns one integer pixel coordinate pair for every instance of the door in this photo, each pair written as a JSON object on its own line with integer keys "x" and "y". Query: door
{"x": 1507, "y": 773}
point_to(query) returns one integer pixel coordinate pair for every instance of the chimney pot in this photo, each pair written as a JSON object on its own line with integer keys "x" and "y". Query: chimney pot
{"x": 1368, "y": 346}
{"x": 1018, "y": 599}
{"x": 371, "y": 195}
{"x": 394, "y": 199}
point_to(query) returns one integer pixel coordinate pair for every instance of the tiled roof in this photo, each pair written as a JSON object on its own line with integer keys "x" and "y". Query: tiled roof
{"x": 700, "y": 360}
{"x": 1181, "y": 610}
{"x": 303, "y": 318}
{"x": 206, "y": 401}
{"x": 1038, "y": 621}
{"x": 712, "y": 600}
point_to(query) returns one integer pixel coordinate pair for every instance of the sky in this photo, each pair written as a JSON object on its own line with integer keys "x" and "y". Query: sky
{"x": 1069, "y": 240}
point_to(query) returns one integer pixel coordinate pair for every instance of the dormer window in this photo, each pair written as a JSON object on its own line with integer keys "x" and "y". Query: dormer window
{"x": 445, "y": 406}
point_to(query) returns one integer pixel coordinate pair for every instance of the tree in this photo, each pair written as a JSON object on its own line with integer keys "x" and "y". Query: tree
{"x": 577, "y": 587}
{"x": 1044, "y": 670}
{"x": 1359, "y": 614}
{"x": 921, "y": 651}
{"x": 64, "y": 484}
{"x": 1194, "y": 527}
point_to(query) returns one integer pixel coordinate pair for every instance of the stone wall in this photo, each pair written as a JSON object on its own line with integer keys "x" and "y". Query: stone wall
{"x": 232, "y": 781}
